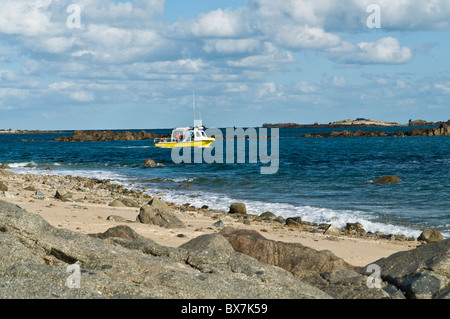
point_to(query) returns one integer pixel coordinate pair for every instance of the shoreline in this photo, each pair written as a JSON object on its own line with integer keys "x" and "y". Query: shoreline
{"x": 88, "y": 211}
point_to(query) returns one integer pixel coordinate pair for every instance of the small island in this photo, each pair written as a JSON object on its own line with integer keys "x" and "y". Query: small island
{"x": 359, "y": 122}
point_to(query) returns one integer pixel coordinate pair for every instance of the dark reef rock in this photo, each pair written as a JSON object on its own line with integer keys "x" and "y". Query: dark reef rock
{"x": 101, "y": 136}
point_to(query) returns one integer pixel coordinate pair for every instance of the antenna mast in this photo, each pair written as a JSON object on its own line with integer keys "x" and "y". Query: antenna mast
{"x": 193, "y": 103}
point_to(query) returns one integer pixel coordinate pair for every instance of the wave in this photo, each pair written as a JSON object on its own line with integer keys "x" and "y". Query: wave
{"x": 219, "y": 201}
{"x": 133, "y": 147}
{"x": 338, "y": 218}
{"x": 23, "y": 164}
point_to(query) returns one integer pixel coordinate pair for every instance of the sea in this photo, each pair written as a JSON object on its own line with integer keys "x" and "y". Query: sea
{"x": 321, "y": 180}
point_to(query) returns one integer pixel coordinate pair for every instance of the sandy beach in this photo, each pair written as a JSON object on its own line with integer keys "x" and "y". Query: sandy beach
{"x": 88, "y": 211}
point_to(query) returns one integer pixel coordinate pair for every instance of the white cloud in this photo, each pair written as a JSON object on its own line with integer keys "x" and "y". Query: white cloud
{"x": 339, "y": 81}
{"x": 82, "y": 96}
{"x": 305, "y": 87}
{"x": 443, "y": 87}
{"x": 60, "y": 85}
{"x": 29, "y": 18}
{"x": 383, "y": 51}
{"x": 219, "y": 23}
{"x": 232, "y": 46}
{"x": 271, "y": 59}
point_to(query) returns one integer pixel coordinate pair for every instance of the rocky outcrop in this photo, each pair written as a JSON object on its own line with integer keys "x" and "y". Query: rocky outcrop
{"x": 101, "y": 136}
{"x": 442, "y": 130}
{"x": 426, "y": 123}
{"x": 151, "y": 163}
{"x": 387, "y": 180}
{"x": 158, "y": 213}
{"x": 35, "y": 258}
{"x": 422, "y": 273}
{"x": 295, "y": 258}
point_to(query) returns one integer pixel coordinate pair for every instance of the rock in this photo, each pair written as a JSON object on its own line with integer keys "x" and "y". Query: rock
{"x": 3, "y": 187}
{"x": 219, "y": 224}
{"x": 158, "y": 213}
{"x": 5, "y": 166}
{"x": 280, "y": 219}
{"x": 422, "y": 273}
{"x": 118, "y": 219}
{"x": 268, "y": 216}
{"x": 346, "y": 284}
{"x": 213, "y": 254}
{"x": 35, "y": 256}
{"x": 63, "y": 195}
{"x": 117, "y": 203}
{"x": 332, "y": 231}
{"x": 431, "y": 236}
{"x": 130, "y": 202}
{"x": 30, "y": 188}
{"x": 118, "y": 232}
{"x": 238, "y": 208}
{"x": 294, "y": 222}
{"x": 151, "y": 163}
{"x": 100, "y": 136}
{"x": 355, "y": 228}
{"x": 387, "y": 180}
{"x": 39, "y": 193}
{"x": 293, "y": 257}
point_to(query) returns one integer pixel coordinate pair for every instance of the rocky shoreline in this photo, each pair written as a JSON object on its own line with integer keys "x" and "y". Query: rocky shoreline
{"x": 102, "y": 136}
{"x": 225, "y": 258}
{"x": 442, "y": 130}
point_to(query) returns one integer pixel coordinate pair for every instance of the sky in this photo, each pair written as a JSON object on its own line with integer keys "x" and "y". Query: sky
{"x": 110, "y": 64}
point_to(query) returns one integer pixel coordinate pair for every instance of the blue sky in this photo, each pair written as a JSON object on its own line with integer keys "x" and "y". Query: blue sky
{"x": 134, "y": 64}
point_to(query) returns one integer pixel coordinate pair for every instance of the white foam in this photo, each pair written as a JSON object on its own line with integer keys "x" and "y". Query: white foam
{"x": 24, "y": 164}
{"x": 338, "y": 218}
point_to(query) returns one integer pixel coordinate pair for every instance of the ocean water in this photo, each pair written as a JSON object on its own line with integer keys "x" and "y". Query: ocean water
{"x": 319, "y": 179}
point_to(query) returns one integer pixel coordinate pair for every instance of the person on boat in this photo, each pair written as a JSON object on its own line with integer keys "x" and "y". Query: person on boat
{"x": 178, "y": 136}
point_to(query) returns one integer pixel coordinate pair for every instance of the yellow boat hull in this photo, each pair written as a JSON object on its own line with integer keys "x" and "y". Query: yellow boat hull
{"x": 201, "y": 144}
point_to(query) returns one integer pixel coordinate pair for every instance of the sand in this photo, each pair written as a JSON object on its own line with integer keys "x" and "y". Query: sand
{"x": 84, "y": 216}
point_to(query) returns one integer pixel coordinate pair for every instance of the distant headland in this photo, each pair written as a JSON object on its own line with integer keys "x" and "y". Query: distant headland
{"x": 359, "y": 122}
{"x": 11, "y": 131}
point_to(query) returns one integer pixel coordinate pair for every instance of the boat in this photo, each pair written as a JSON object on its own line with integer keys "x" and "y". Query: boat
{"x": 187, "y": 136}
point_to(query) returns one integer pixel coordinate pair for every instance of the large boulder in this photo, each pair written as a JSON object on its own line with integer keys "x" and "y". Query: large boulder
{"x": 238, "y": 208}
{"x": 158, "y": 213}
{"x": 430, "y": 236}
{"x": 421, "y": 273}
{"x": 293, "y": 257}
{"x": 35, "y": 258}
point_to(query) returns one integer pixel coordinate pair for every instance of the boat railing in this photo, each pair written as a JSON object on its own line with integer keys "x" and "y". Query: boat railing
{"x": 160, "y": 140}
